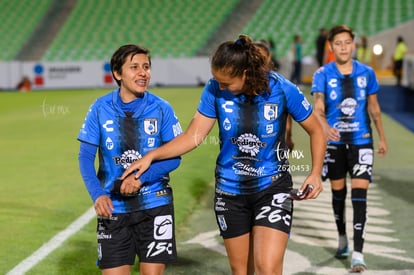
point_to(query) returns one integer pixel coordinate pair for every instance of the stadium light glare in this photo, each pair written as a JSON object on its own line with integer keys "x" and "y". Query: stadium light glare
{"x": 377, "y": 49}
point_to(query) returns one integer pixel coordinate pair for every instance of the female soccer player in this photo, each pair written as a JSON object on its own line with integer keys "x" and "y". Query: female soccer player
{"x": 135, "y": 218}
{"x": 345, "y": 93}
{"x": 250, "y": 103}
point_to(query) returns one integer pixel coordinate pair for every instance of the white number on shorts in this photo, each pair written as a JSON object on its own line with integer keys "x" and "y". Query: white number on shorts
{"x": 155, "y": 248}
{"x": 273, "y": 216}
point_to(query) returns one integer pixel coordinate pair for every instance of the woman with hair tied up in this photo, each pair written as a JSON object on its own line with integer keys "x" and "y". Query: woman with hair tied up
{"x": 252, "y": 199}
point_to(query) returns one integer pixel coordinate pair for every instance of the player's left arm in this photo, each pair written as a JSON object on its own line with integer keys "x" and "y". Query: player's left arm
{"x": 374, "y": 111}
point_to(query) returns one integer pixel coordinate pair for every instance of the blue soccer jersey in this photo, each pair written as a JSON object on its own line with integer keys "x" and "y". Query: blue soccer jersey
{"x": 346, "y": 100}
{"x": 252, "y": 132}
{"x": 123, "y": 138}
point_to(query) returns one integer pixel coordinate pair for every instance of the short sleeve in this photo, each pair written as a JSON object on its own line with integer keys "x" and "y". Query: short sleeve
{"x": 90, "y": 129}
{"x": 207, "y": 100}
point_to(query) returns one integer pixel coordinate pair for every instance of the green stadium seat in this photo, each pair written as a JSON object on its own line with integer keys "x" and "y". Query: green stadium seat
{"x": 95, "y": 28}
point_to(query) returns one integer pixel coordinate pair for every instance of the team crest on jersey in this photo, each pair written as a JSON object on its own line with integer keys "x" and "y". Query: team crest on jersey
{"x": 151, "y": 126}
{"x": 362, "y": 81}
{"x": 270, "y": 111}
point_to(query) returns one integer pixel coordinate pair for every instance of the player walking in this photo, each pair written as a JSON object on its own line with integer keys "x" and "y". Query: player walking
{"x": 345, "y": 94}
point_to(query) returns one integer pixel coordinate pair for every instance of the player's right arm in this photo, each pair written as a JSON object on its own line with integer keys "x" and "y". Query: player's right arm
{"x": 102, "y": 203}
{"x": 196, "y": 132}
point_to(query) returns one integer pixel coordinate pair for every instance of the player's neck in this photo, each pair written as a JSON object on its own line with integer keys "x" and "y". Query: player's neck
{"x": 345, "y": 68}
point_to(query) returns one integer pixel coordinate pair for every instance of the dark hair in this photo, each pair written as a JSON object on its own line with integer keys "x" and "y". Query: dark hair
{"x": 340, "y": 29}
{"x": 237, "y": 57}
{"x": 119, "y": 57}
{"x": 264, "y": 46}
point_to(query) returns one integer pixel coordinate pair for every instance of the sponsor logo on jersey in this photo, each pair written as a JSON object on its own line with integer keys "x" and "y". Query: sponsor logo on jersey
{"x": 151, "y": 126}
{"x": 306, "y": 104}
{"x": 269, "y": 128}
{"x": 348, "y": 106}
{"x": 109, "y": 143}
{"x": 346, "y": 127}
{"x": 241, "y": 168}
{"x": 151, "y": 142}
{"x": 361, "y": 94}
{"x": 226, "y": 124}
{"x": 249, "y": 143}
{"x": 127, "y": 158}
{"x": 177, "y": 130}
{"x": 333, "y": 95}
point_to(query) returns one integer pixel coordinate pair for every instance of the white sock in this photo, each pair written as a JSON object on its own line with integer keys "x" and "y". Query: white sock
{"x": 358, "y": 256}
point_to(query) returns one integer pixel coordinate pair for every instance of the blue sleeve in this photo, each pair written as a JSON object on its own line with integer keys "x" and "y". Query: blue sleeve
{"x": 297, "y": 104}
{"x": 207, "y": 100}
{"x": 319, "y": 81}
{"x": 159, "y": 169}
{"x": 87, "y": 153}
{"x": 89, "y": 132}
{"x": 373, "y": 86}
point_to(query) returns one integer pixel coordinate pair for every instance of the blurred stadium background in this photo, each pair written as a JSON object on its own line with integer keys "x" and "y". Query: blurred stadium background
{"x": 66, "y": 44}
{"x": 180, "y": 34}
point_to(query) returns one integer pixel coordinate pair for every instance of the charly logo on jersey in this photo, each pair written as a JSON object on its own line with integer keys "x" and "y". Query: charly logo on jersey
{"x": 226, "y": 106}
{"x": 348, "y": 106}
{"x": 151, "y": 126}
{"x": 249, "y": 143}
{"x": 362, "y": 81}
{"x": 107, "y": 125}
{"x": 333, "y": 83}
{"x": 127, "y": 158}
{"x": 270, "y": 111}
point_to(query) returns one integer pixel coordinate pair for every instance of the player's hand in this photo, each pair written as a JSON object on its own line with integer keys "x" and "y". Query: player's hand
{"x": 103, "y": 206}
{"x": 314, "y": 181}
{"x": 333, "y": 134}
{"x": 140, "y": 165}
{"x": 130, "y": 185}
{"x": 382, "y": 148}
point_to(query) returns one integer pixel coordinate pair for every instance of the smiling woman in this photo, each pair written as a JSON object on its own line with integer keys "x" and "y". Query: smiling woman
{"x": 124, "y": 125}
{"x": 250, "y": 103}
